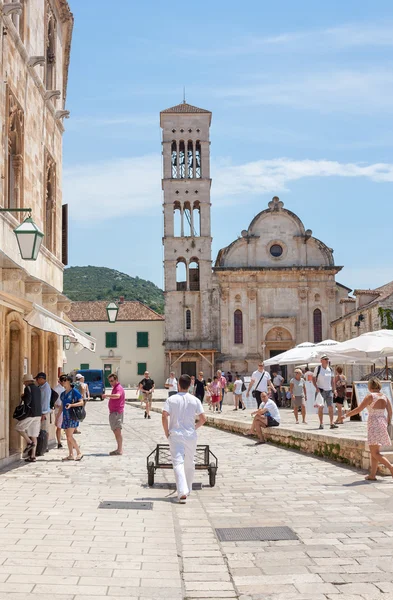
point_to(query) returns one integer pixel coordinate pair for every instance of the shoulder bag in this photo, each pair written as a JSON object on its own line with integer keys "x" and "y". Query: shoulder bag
{"x": 254, "y": 392}
{"x": 79, "y": 412}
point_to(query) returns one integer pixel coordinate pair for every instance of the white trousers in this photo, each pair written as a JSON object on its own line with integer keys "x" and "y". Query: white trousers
{"x": 183, "y": 458}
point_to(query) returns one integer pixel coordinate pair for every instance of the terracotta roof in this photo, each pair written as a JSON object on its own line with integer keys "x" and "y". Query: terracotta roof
{"x": 343, "y": 300}
{"x": 185, "y": 108}
{"x": 128, "y": 311}
{"x": 366, "y": 292}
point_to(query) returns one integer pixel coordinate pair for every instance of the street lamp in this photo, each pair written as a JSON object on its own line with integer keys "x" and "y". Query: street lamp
{"x": 112, "y": 309}
{"x": 28, "y": 235}
{"x": 66, "y": 343}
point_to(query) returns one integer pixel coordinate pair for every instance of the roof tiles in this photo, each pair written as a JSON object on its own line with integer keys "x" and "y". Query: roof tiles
{"x": 96, "y": 311}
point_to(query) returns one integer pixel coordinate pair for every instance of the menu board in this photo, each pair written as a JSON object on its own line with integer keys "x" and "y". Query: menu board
{"x": 360, "y": 391}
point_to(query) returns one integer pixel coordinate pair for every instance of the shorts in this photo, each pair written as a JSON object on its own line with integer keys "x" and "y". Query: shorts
{"x": 31, "y": 425}
{"x": 327, "y": 395}
{"x": 272, "y": 422}
{"x": 339, "y": 400}
{"x": 116, "y": 420}
{"x": 147, "y": 395}
{"x": 299, "y": 401}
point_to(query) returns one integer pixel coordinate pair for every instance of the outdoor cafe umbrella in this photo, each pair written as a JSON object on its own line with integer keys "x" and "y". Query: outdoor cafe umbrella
{"x": 302, "y": 354}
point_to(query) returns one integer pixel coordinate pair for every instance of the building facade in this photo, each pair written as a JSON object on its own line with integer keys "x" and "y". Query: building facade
{"x": 128, "y": 347}
{"x": 36, "y": 39}
{"x": 269, "y": 290}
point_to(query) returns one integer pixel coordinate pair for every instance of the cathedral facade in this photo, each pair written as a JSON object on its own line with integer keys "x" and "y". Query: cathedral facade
{"x": 271, "y": 289}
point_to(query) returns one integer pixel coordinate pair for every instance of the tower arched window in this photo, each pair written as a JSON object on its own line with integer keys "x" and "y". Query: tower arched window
{"x": 196, "y": 221}
{"x": 177, "y": 220}
{"x": 190, "y": 160}
{"x": 238, "y": 326}
{"x": 187, "y": 219}
{"x": 174, "y": 159}
{"x": 198, "y": 160}
{"x": 193, "y": 274}
{"x": 50, "y": 64}
{"x": 317, "y": 321}
{"x": 182, "y": 160}
{"x": 181, "y": 275}
{"x": 188, "y": 320}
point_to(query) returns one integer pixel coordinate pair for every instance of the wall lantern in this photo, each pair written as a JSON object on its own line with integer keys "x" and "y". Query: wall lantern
{"x": 112, "y": 309}
{"x": 28, "y": 235}
{"x": 66, "y": 343}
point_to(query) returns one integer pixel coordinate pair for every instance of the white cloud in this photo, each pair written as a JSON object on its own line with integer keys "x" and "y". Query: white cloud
{"x": 351, "y": 35}
{"x": 132, "y": 186}
{"x": 347, "y": 91}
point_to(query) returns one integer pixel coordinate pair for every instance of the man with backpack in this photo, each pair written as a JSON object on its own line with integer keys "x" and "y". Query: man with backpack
{"x": 324, "y": 383}
{"x": 262, "y": 381}
{"x": 29, "y": 427}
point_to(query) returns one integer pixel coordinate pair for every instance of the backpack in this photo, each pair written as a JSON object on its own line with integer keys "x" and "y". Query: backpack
{"x": 53, "y": 397}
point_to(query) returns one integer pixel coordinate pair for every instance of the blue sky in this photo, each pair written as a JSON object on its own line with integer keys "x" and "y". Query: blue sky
{"x": 302, "y": 102}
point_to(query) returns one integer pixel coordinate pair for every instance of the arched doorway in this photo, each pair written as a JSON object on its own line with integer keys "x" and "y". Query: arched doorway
{"x": 15, "y": 374}
{"x": 278, "y": 339}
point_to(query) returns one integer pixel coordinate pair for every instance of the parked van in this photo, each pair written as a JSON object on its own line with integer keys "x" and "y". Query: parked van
{"x": 95, "y": 380}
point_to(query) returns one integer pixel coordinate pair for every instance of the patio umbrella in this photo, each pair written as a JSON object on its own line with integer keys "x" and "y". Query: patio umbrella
{"x": 295, "y": 355}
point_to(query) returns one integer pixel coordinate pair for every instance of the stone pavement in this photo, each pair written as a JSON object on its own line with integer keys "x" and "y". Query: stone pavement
{"x": 58, "y": 544}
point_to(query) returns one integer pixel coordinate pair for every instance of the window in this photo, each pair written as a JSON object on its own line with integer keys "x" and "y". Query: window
{"x": 50, "y": 204}
{"x": 50, "y": 65}
{"x": 142, "y": 339}
{"x": 174, "y": 159}
{"x": 276, "y": 250}
{"x": 181, "y": 275}
{"x": 15, "y": 187}
{"x": 142, "y": 367}
{"x": 111, "y": 339}
{"x": 196, "y": 220}
{"x": 198, "y": 162}
{"x": 177, "y": 220}
{"x": 182, "y": 160}
{"x": 84, "y": 366}
{"x": 317, "y": 319}
{"x": 193, "y": 273}
{"x": 188, "y": 320}
{"x": 238, "y": 326}
{"x": 190, "y": 160}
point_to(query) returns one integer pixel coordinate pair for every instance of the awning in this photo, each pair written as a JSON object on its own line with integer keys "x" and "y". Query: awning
{"x": 43, "y": 319}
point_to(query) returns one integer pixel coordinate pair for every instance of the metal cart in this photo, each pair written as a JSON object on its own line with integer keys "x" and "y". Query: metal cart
{"x": 160, "y": 458}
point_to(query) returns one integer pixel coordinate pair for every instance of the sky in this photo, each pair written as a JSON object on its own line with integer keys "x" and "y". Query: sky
{"x": 302, "y": 101}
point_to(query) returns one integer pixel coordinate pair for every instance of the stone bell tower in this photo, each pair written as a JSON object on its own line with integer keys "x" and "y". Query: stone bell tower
{"x": 190, "y": 335}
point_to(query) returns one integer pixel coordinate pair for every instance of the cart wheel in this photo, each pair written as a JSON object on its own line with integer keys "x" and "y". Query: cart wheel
{"x": 150, "y": 474}
{"x": 212, "y": 474}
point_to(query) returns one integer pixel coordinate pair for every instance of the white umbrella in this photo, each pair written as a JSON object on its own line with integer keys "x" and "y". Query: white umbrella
{"x": 295, "y": 355}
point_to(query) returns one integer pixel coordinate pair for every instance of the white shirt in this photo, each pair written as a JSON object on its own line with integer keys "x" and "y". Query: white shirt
{"x": 277, "y": 381}
{"x": 182, "y": 409}
{"x": 238, "y": 387}
{"x": 59, "y": 389}
{"x": 256, "y": 376}
{"x": 273, "y": 410}
{"x": 172, "y": 384}
{"x": 324, "y": 380}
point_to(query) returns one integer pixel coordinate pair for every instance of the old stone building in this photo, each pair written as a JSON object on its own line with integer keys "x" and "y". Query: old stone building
{"x": 269, "y": 290}
{"x": 36, "y": 39}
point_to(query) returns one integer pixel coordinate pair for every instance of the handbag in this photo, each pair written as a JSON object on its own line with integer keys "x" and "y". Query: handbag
{"x": 79, "y": 412}
{"x": 21, "y": 412}
{"x": 254, "y": 392}
{"x": 319, "y": 401}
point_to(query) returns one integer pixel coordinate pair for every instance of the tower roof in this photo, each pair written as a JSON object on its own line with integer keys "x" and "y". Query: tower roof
{"x": 183, "y": 107}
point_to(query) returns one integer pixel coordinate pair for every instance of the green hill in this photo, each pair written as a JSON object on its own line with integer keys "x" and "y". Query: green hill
{"x": 100, "y": 283}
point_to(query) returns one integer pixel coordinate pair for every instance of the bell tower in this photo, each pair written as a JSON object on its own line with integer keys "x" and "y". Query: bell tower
{"x": 189, "y": 332}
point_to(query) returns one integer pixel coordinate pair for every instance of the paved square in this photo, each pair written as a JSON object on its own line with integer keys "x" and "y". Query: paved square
{"x": 58, "y": 544}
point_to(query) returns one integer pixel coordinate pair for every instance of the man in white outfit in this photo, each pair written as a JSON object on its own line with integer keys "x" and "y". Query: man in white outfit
{"x": 178, "y": 421}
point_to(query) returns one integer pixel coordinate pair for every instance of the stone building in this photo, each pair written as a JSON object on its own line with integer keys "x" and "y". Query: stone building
{"x": 128, "y": 347}
{"x": 269, "y": 290}
{"x": 36, "y": 39}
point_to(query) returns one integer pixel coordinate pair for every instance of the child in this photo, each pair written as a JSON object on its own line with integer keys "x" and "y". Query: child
{"x": 238, "y": 393}
{"x": 215, "y": 389}
{"x": 208, "y": 393}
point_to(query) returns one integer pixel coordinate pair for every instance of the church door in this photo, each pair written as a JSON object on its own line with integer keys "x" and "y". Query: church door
{"x": 188, "y": 368}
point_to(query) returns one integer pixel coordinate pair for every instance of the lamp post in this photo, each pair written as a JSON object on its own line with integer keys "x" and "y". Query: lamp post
{"x": 28, "y": 235}
{"x": 66, "y": 343}
{"x": 111, "y": 310}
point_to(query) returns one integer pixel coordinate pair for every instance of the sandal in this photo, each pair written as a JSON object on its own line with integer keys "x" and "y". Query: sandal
{"x": 368, "y": 478}
{"x": 79, "y": 457}
{"x": 67, "y": 458}
{"x": 115, "y": 453}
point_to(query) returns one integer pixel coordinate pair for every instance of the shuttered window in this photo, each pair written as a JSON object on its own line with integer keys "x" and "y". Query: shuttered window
{"x": 142, "y": 368}
{"x": 317, "y": 318}
{"x": 142, "y": 339}
{"x": 111, "y": 339}
{"x": 238, "y": 326}
{"x": 84, "y": 366}
{"x": 64, "y": 234}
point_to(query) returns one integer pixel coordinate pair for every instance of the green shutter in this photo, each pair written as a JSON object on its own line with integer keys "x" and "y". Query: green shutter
{"x": 111, "y": 339}
{"x": 142, "y": 368}
{"x": 142, "y": 339}
{"x": 84, "y": 366}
